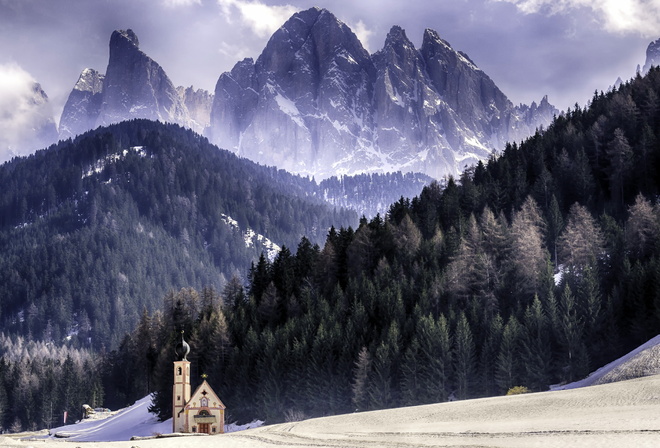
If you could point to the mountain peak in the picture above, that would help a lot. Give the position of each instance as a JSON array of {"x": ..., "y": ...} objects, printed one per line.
[
  {"x": 431, "y": 36},
  {"x": 396, "y": 34},
  {"x": 90, "y": 80},
  {"x": 128, "y": 35},
  {"x": 652, "y": 55}
]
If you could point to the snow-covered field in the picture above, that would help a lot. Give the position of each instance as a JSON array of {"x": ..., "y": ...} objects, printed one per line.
[{"x": 619, "y": 414}]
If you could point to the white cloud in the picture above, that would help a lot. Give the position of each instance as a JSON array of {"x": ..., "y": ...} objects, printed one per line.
[
  {"x": 262, "y": 19},
  {"x": 363, "y": 33},
  {"x": 22, "y": 112},
  {"x": 617, "y": 16}
]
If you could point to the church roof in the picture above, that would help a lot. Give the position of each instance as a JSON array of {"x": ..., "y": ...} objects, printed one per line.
[{"x": 204, "y": 390}]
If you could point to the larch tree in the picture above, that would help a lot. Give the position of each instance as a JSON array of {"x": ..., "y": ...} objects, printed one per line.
[
  {"x": 582, "y": 243},
  {"x": 528, "y": 255},
  {"x": 642, "y": 229},
  {"x": 360, "y": 379}
]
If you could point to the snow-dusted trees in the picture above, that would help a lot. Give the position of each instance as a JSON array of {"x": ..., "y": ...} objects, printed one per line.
[{"x": 38, "y": 382}]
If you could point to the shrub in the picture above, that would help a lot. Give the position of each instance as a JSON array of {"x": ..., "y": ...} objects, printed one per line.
[{"x": 517, "y": 390}]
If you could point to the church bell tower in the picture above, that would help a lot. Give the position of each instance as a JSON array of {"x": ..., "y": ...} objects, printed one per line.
[{"x": 181, "y": 388}]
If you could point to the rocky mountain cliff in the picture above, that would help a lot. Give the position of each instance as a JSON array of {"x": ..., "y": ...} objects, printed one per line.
[
  {"x": 83, "y": 105},
  {"x": 652, "y": 55},
  {"x": 315, "y": 102},
  {"x": 134, "y": 86}
]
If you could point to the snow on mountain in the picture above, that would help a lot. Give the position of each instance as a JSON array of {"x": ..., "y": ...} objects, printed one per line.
[
  {"x": 83, "y": 105},
  {"x": 316, "y": 103}
]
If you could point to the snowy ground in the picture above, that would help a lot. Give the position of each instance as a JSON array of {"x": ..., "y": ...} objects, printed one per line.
[{"x": 619, "y": 414}]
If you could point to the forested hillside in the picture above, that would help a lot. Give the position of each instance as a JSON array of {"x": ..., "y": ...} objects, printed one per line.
[
  {"x": 96, "y": 229},
  {"x": 532, "y": 269}
]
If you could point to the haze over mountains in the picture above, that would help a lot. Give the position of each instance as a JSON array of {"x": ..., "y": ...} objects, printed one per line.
[
  {"x": 26, "y": 116},
  {"x": 317, "y": 103},
  {"x": 341, "y": 110}
]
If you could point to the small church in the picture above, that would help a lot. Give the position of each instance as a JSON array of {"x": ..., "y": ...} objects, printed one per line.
[{"x": 201, "y": 412}]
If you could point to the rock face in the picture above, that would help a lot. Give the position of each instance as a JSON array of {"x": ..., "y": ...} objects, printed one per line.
[
  {"x": 198, "y": 103},
  {"x": 652, "y": 55},
  {"x": 316, "y": 103},
  {"x": 134, "y": 86},
  {"x": 83, "y": 105}
]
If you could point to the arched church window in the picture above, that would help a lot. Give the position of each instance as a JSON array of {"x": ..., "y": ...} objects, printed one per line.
[
  {"x": 179, "y": 371},
  {"x": 204, "y": 402}
]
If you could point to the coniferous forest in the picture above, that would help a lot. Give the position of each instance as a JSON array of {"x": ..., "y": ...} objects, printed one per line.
[{"x": 534, "y": 267}]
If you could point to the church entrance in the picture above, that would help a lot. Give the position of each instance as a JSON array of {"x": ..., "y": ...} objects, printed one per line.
[{"x": 204, "y": 420}]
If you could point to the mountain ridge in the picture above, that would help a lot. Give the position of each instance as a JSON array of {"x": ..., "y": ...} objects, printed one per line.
[
  {"x": 316, "y": 103},
  {"x": 366, "y": 116}
]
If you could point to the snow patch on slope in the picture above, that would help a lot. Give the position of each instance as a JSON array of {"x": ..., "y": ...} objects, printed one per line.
[
  {"x": 626, "y": 362},
  {"x": 100, "y": 164},
  {"x": 252, "y": 238},
  {"x": 289, "y": 108},
  {"x": 133, "y": 421}
]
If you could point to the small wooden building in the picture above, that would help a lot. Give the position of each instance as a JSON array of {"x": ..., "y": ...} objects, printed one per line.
[{"x": 201, "y": 412}]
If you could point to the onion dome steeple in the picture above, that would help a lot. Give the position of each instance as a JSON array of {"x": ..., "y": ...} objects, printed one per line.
[{"x": 182, "y": 349}]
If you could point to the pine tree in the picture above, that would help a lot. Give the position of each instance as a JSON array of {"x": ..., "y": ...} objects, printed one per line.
[
  {"x": 619, "y": 153},
  {"x": 464, "y": 358},
  {"x": 536, "y": 352},
  {"x": 433, "y": 349},
  {"x": 574, "y": 360},
  {"x": 507, "y": 372},
  {"x": 488, "y": 358},
  {"x": 582, "y": 243}
]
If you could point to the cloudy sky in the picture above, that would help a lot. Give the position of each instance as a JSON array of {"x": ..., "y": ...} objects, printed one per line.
[{"x": 563, "y": 48}]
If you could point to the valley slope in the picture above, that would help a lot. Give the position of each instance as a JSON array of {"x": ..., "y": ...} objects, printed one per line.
[{"x": 95, "y": 229}]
